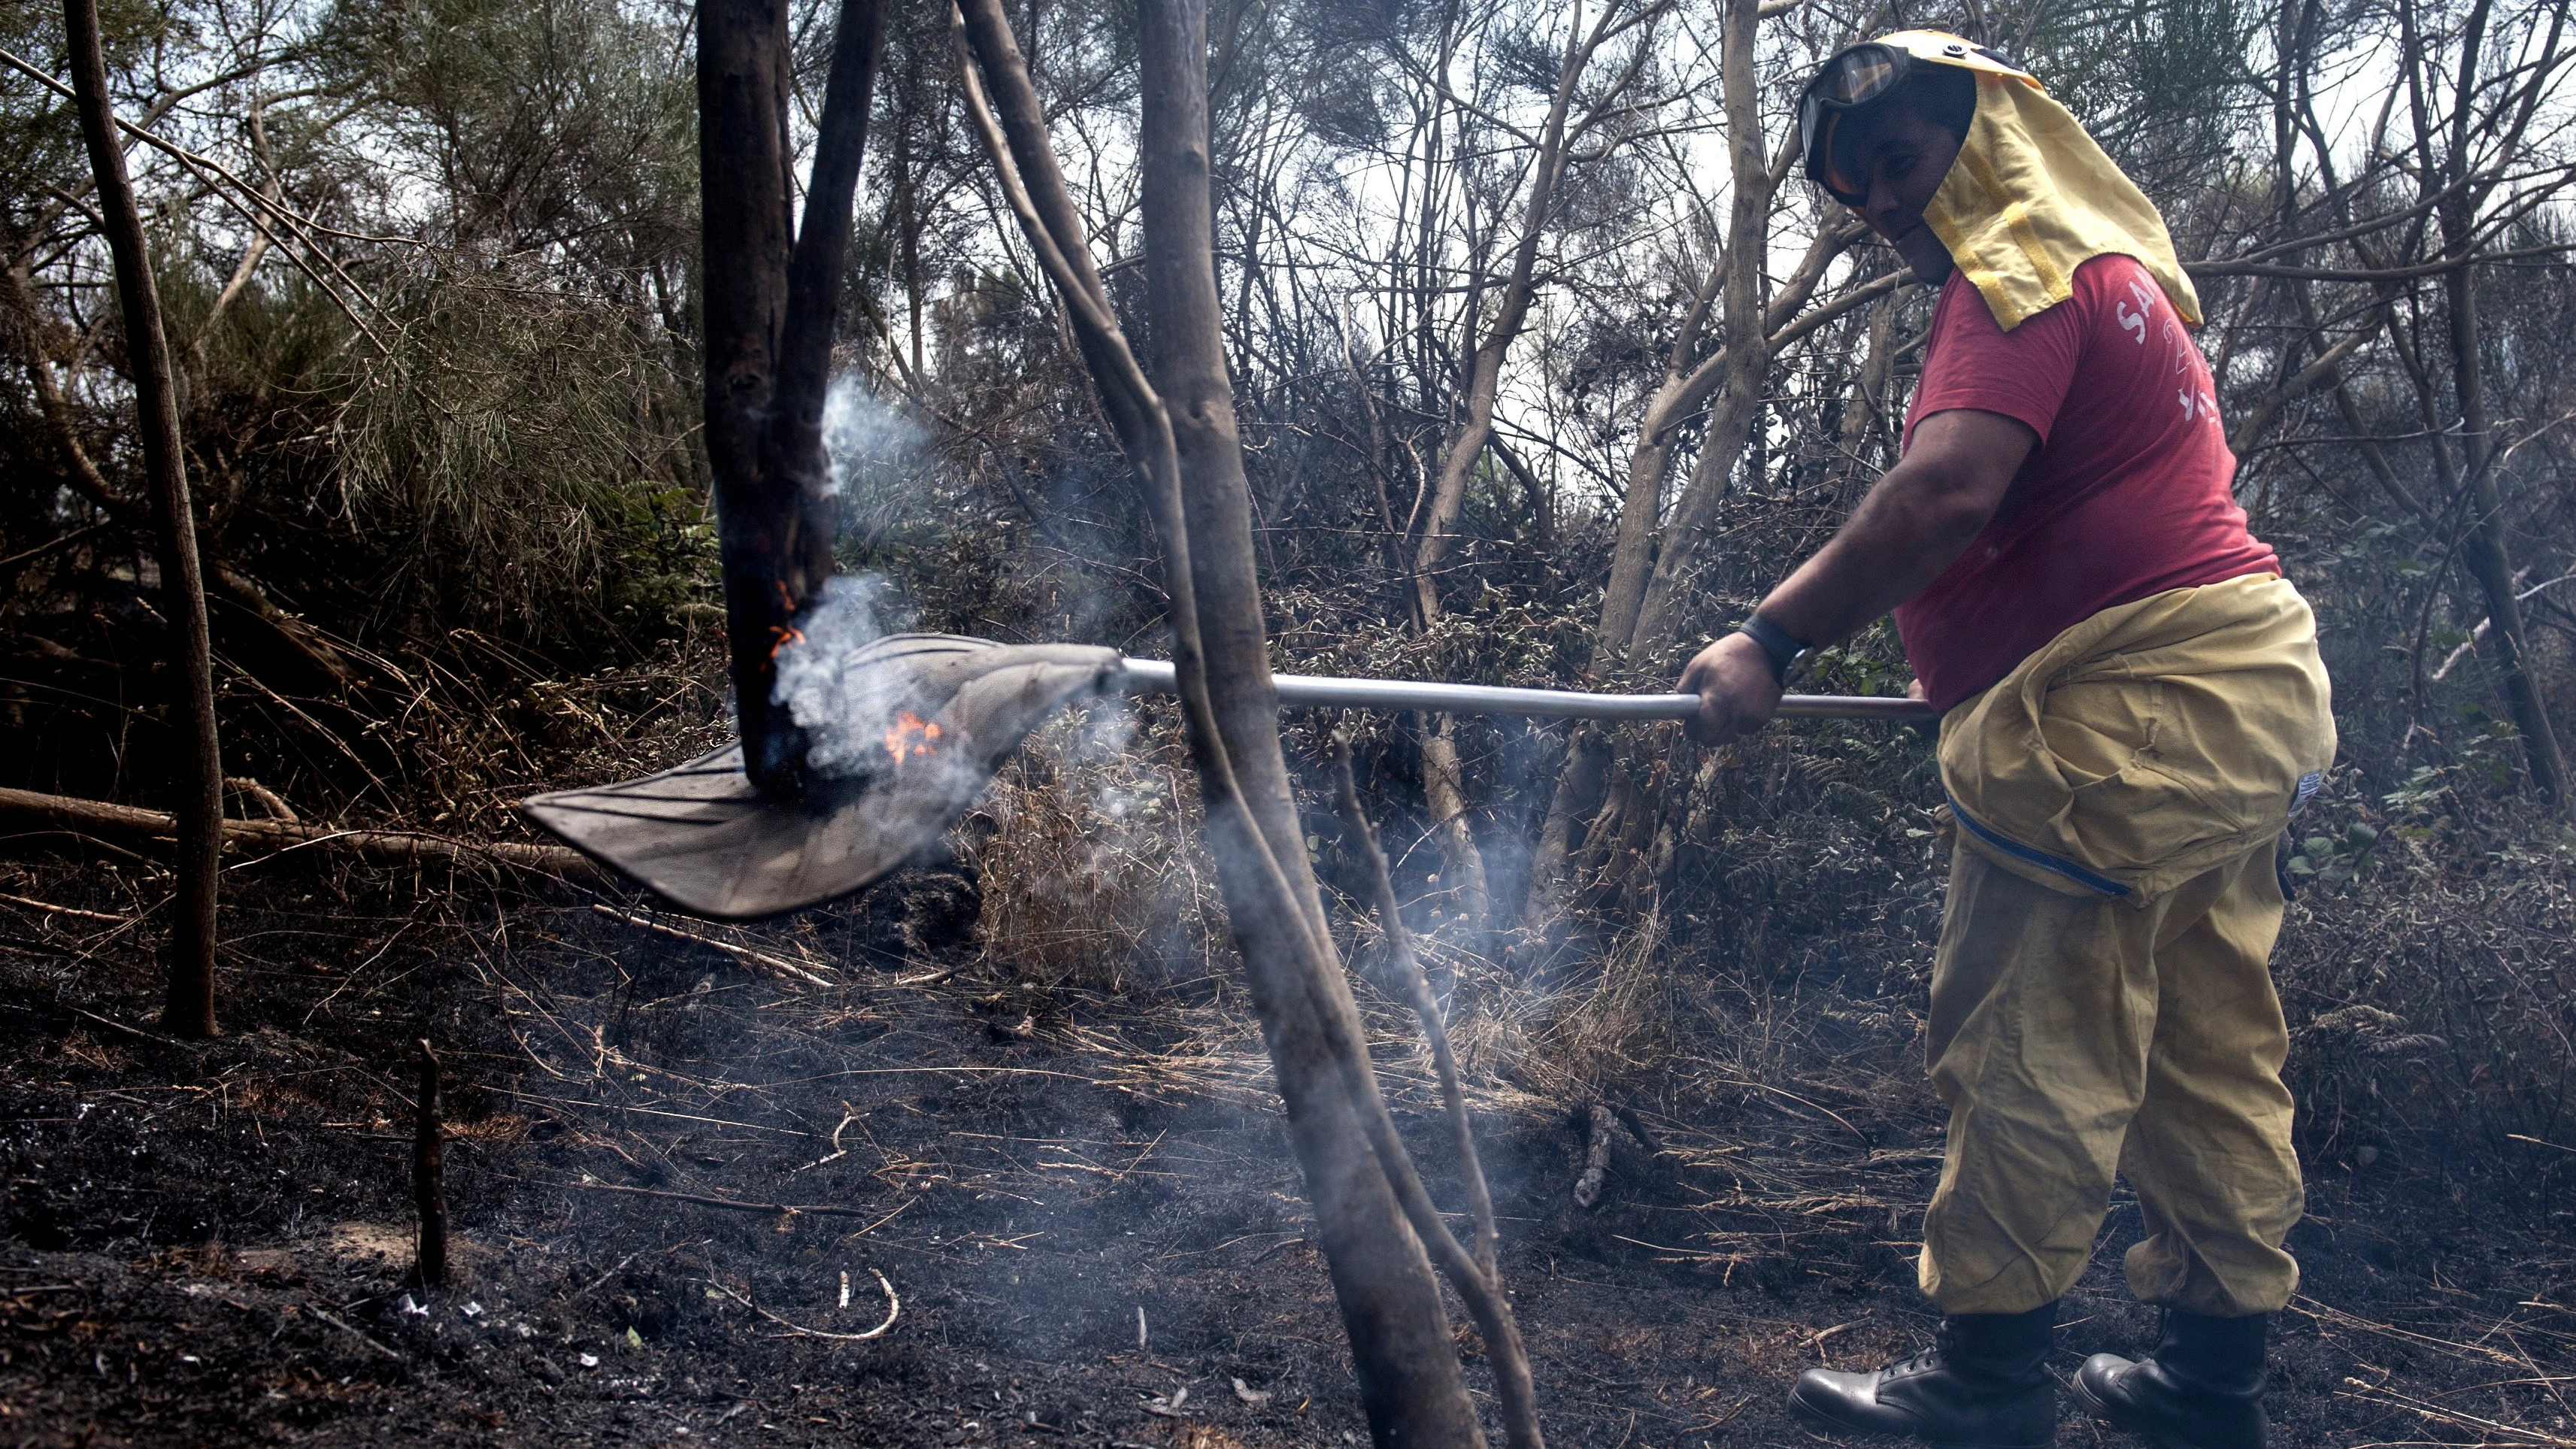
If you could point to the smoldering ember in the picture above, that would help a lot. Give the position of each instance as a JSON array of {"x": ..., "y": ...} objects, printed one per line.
[{"x": 1651, "y": 724}]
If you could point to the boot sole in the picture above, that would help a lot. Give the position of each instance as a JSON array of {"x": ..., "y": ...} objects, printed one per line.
[
  {"x": 2103, "y": 1411},
  {"x": 1817, "y": 1418}
]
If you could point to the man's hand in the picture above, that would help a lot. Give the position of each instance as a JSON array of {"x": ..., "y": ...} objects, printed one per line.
[{"x": 1732, "y": 678}]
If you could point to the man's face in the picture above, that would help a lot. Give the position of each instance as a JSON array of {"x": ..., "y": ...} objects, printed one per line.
[{"x": 1902, "y": 157}]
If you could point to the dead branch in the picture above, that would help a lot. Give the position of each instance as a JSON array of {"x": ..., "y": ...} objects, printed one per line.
[
  {"x": 772, "y": 1209},
  {"x": 894, "y": 1310},
  {"x": 76, "y": 913},
  {"x": 774, "y": 965},
  {"x": 268, "y": 800},
  {"x": 30, "y": 812},
  {"x": 263, "y": 214}
]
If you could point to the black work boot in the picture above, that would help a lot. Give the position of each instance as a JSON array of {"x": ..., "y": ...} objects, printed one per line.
[
  {"x": 2201, "y": 1389},
  {"x": 1980, "y": 1387}
]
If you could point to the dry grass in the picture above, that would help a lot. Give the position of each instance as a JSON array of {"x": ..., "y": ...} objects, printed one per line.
[{"x": 1087, "y": 850}]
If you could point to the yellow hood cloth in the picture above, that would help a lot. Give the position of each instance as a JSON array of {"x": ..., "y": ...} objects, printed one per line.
[
  {"x": 2031, "y": 196},
  {"x": 2148, "y": 744}
]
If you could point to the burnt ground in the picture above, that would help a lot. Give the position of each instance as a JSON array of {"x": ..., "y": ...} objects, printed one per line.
[{"x": 205, "y": 1244}]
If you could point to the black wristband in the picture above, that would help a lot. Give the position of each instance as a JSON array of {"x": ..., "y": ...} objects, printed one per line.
[{"x": 1778, "y": 644}]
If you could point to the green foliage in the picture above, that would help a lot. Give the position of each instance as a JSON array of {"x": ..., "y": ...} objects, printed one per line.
[
  {"x": 2335, "y": 859},
  {"x": 528, "y": 445},
  {"x": 568, "y": 125}
]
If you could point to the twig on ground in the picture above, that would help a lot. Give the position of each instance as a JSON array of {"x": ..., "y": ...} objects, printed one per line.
[
  {"x": 2435, "y": 1413},
  {"x": 602, "y": 1279},
  {"x": 894, "y": 1310},
  {"x": 780, "y": 1209},
  {"x": 838, "y": 1151},
  {"x": 743, "y": 954},
  {"x": 136, "y": 1032},
  {"x": 74, "y": 912},
  {"x": 2327, "y": 1313},
  {"x": 351, "y": 1329},
  {"x": 1794, "y": 1097},
  {"x": 1817, "y": 1339}
]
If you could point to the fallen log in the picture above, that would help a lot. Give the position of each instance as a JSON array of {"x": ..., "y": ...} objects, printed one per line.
[{"x": 27, "y": 811}]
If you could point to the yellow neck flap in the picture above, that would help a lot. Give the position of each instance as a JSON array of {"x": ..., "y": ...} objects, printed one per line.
[{"x": 2031, "y": 198}]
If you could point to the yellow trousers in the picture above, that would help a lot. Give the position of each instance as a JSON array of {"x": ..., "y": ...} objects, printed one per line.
[{"x": 2101, "y": 998}]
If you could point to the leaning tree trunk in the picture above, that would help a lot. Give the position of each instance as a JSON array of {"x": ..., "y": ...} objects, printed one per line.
[
  {"x": 1372, "y": 1213},
  {"x": 190, "y": 1008},
  {"x": 1409, "y": 1376}
]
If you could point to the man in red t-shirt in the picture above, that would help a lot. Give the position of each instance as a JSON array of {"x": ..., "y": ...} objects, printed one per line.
[{"x": 2132, "y": 710}]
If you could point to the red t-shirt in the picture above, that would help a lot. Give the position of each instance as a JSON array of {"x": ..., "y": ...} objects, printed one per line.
[{"x": 2129, "y": 493}]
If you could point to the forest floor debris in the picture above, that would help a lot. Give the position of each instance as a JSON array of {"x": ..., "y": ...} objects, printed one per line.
[{"x": 688, "y": 1200}]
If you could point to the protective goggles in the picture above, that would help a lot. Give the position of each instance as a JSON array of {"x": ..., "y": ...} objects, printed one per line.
[{"x": 1862, "y": 76}]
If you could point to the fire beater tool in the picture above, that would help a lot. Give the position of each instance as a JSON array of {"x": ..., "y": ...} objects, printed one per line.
[{"x": 925, "y": 720}]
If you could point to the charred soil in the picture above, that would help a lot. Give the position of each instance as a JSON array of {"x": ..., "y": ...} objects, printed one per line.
[{"x": 690, "y": 1187}]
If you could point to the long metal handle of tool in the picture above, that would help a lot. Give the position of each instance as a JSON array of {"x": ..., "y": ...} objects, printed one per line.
[{"x": 1155, "y": 676}]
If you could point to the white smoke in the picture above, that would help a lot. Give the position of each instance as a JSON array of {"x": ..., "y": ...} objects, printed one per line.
[
  {"x": 871, "y": 445},
  {"x": 844, "y": 711}
]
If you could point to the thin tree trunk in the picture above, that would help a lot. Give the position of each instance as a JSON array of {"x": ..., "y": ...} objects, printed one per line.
[
  {"x": 1444, "y": 795},
  {"x": 1748, "y": 343},
  {"x": 189, "y": 1010},
  {"x": 1410, "y": 1384},
  {"x": 2489, "y": 563},
  {"x": 907, "y": 206},
  {"x": 1634, "y": 555},
  {"x": 2508, "y": 649},
  {"x": 1443, "y": 773},
  {"x": 1409, "y": 1377}
]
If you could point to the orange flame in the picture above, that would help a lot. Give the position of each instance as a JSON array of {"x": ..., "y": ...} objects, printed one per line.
[
  {"x": 786, "y": 636},
  {"x": 911, "y": 735}
]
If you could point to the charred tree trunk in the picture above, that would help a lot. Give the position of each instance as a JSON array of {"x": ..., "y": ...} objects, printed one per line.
[
  {"x": 743, "y": 186},
  {"x": 189, "y": 1010},
  {"x": 429, "y": 1177},
  {"x": 772, "y": 297}
]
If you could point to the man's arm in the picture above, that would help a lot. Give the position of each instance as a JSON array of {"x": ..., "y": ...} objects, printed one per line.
[{"x": 1904, "y": 535}]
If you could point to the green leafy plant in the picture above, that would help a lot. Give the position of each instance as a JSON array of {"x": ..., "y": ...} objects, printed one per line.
[{"x": 2334, "y": 859}]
